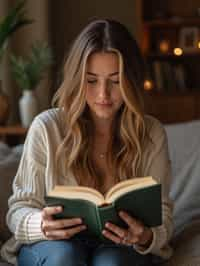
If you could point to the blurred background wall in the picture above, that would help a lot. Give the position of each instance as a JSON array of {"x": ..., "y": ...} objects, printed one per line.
[{"x": 58, "y": 22}]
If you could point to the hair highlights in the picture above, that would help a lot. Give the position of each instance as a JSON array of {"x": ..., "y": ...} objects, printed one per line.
[{"x": 129, "y": 129}]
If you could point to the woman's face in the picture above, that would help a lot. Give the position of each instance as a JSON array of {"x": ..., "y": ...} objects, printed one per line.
[{"x": 103, "y": 94}]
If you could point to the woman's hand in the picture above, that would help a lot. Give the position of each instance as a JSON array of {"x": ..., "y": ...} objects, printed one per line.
[
  {"x": 136, "y": 233},
  {"x": 60, "y": 228}
]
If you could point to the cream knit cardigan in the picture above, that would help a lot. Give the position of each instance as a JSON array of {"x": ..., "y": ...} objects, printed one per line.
[{"x": 36, "y": 175}]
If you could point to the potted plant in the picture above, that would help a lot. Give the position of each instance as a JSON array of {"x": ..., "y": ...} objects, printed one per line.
[
  {"x": 15, "y": 19},
  {"x": 28, "y": 72}
]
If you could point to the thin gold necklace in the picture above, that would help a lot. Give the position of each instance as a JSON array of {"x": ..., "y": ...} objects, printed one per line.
[{"x": 102, "y": 155}]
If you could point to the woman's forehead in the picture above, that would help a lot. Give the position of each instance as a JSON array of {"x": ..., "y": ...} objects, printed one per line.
[{"x": 103, "y": 63}]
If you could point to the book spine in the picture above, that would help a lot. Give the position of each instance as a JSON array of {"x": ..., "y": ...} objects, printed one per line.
[
  {"x": 106, "y": 214},
  {"x": 158, "y": 77},
  {"x": 180, "y": 77},
  {"x": 98, "y": 222}
]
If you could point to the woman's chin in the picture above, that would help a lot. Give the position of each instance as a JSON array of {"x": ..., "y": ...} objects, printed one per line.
[{"x": 104, "y": 115}]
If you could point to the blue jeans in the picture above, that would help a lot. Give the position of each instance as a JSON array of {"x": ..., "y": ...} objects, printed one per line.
[{"x": 80, "y": 252}]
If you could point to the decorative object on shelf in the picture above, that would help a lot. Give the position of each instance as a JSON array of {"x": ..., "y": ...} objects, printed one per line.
[
  {"x": 28, "y": 72},
  {"x": 189, "y": 38},
  {"x": 28, "y": 107}
]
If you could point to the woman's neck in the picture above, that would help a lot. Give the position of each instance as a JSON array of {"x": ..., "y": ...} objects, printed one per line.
[{"x": 102, "y": 128}]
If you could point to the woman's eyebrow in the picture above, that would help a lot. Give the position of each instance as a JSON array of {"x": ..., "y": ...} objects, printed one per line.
[{"x": 111, "y": 74}]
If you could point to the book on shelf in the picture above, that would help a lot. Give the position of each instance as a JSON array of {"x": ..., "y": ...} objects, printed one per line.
[
  {"x": 169, "y": 77},
  {"x": 180, "y": 77},
  {"x": 140, "y": 197},
  {"x": 158, "y": 75}
]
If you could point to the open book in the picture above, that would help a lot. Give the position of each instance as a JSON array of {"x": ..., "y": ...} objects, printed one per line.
[{"x": 140, "y": 197}]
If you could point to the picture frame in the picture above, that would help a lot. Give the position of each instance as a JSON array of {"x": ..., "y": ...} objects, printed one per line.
[{"x": 188, "y": 40}]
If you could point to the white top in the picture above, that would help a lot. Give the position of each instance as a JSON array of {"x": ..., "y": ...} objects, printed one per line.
[{"x": 36, "y": 175}]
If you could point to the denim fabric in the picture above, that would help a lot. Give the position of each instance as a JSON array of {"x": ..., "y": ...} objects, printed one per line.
[{"x": 80, "y": 252}]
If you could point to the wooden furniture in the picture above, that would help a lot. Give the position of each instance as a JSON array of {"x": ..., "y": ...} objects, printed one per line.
[
  {"x": 166, "y": 33},
  {"x": 12, "y": 134},
  {"x": 173, "y": 107}
]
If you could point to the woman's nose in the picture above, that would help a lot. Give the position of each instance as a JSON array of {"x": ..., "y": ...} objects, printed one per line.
[{"x": 103, "y": 90}]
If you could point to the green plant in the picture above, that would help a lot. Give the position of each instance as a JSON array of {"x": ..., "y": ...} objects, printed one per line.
[
  {"x": 29, "y": 71},
  {"x": 14, "y": 20}
]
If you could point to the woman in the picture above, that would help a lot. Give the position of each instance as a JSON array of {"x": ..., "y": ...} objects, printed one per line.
[{"x": 96, "y": 137}]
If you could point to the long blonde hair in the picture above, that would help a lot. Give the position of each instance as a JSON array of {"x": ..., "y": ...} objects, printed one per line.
[{"x": 125, "y": 149}]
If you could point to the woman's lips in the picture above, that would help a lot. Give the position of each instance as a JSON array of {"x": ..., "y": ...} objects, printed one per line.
[{"x": 104, "y": 104}]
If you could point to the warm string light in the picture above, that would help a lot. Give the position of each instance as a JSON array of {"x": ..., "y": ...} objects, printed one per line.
[
  {"x": 164, "y": 46},
  {"x": 178, "y": 51},
  {"x": 148, "y": 85}
]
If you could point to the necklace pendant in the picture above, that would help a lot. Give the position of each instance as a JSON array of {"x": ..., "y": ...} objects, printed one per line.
[{"x": 101, "y": 155}]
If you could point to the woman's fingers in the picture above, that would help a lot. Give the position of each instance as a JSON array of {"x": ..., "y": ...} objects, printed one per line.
[
  {"x": 60, "y": 223},
  {"x": 136, "y": 233},
  {"x": 55, "y": 229},
  {"x": 111, "y": 236},
  {"x": 135, "y": 226},
  {"x": 116, "y": 229},
  {"x": 48, "y": 212},
  {"x": 64, "y": 234},
  {"x": 131, "y": 221}
]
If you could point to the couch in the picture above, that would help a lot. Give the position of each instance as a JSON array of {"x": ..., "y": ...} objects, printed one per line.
[
  {"x": 184, "y": 149},
  {"x": 9, "y": 160}
]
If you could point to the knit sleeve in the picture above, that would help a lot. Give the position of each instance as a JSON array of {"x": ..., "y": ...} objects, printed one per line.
[
  {"x": 157, "y": 165},
  {"x": 27, "y": 200}
]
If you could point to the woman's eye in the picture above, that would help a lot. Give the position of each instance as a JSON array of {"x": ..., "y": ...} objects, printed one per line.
[
  {"x": 91, "y": 81},
  {"x": 115, "y": 81}
]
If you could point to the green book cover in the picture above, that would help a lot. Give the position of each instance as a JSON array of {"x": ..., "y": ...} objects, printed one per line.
[{"x": 143, "y": 203}]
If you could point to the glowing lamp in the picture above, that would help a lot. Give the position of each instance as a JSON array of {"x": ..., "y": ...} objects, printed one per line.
[
  {"x": 148, "y": 85},
  {"x": 178, "y": 51}
]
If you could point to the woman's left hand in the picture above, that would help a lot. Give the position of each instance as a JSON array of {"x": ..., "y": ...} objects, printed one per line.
[{"x": 136, "y": 233}]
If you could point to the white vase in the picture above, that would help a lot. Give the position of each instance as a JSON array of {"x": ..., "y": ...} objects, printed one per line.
[{"x": 28, "y": 107}]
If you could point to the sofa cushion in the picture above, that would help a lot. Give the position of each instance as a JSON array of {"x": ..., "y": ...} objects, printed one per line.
[
  {"x": 184, "y": 140},
  {"x": 184, "y": 150},
  {"x": 186, "y": 246},
  {"x": 9, "y": 161}
]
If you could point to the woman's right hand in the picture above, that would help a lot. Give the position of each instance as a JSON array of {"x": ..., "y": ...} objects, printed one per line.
[{"x": 57, "y": 229}]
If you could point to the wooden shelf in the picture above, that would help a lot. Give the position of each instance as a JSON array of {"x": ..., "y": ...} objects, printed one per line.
[
  {"x": 13, "y": 130},
  {"x": 173, "y": 107},
  {"x": 189, "y": 92},
  {"x": 172, "y": 56},
  {"x": 172, "y": 22},
  {"x": 168, "y": 71},
  {"x": 13, "y": 135}
]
